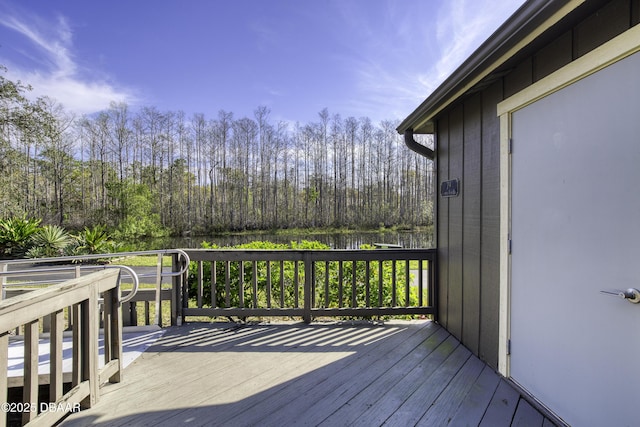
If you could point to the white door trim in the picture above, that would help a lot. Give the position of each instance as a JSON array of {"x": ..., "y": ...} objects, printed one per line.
[{"x": 620, "y": 47}]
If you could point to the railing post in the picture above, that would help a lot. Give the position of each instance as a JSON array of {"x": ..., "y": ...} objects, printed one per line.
[
  {"x": 433, "y": 283},
  {"x": 30, "y": 389},
  {"x": 3, "y": 279},
  {"x": 158, "y": 303},
  {"x": 93, "y": 318},
  {"x": 113, "y": 330},
  {"x": 4, "y": 383},
  {"x": 176, "y": 294},
  {"x": 56, "y": 382},
  {"x": 308, "y": 286},
  {"x": 76, "y": 322},
  {"x": 89, "y": 327}
]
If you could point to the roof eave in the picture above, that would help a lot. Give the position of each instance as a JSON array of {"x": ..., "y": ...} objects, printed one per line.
[{"x": 490, "y": 55}]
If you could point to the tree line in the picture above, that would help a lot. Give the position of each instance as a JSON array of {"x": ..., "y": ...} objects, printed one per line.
[{"x": 148, "y": 170}]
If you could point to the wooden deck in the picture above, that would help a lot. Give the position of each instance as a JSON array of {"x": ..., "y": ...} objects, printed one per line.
[{"x": 398, "y": 374}]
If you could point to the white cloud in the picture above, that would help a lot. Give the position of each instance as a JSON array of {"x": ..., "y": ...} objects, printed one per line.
[
  {"x": 428, "y": 46},
  {"x": 462, "y": 26},
  {"x": 57, "y": 74}
]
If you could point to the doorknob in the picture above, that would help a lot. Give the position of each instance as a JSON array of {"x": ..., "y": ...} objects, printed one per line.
[{"x": 632, "y": 295}]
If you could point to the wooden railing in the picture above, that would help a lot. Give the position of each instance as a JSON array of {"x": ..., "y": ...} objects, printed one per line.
[
  {"x": 143, "y": 302},
  {"x": 25, "y": 311},
  {"x": 18, "y": 276},
  {"x": 309, "y": 283}
]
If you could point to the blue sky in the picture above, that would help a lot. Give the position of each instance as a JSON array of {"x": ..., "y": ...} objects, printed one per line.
[{"x": 373, "y": 58}]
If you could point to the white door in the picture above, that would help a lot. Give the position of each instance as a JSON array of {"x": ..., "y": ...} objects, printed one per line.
[{"x": 575, "y": 229}]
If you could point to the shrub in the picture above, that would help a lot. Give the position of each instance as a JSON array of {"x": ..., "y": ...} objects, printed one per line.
[
  {"x": 234, "y": 276},
  {"x": 284, "y": 295},
  {"x": 49, "y": 241},
  {"x": 15, "y": 236},
  {"x": 90, "y": 241}
]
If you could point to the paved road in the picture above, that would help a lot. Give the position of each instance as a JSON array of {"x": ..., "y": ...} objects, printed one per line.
[{"x": 49, "y": 276}]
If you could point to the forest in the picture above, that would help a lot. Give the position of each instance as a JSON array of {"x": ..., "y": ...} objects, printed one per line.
[{"x": 147, "y": 171}]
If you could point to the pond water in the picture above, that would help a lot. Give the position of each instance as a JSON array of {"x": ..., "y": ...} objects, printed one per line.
[{"x": 409, "y": 239}]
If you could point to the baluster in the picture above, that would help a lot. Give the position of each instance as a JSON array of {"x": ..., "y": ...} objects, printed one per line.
[
  {"x": 214, "y": 285},
  {"x": 380, "y": 282},
  {"x": 268, "y": 284},
  {"x": 407, "y": 283},
  {"x": 241, "y": 285},
  {"x": 281, "y": 284},
  {"x": 354, "y": 291},
  {"x": 420, "y": 284},
  {"x": 200, "y": 292},
  {"x": 76, "y": 369},
  {"x": 393, "y": 283},
  {"x": 296, "y": 284},
  {"x": 227, "y": 284},
  {"x": 367, "y": 284},
  {"x": 340, "y": 278},
  {"x": 30, "y": 390},
  {"x": 327, "y": 295},
  {"x": 255, "y": 283},
  {"x": 55, "y": 360}
]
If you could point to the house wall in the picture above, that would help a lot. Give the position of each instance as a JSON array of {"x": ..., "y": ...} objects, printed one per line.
[{"x": 467, "y": 144}]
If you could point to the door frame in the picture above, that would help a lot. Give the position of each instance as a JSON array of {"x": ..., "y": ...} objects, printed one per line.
[{"x": 616, "y": 49}]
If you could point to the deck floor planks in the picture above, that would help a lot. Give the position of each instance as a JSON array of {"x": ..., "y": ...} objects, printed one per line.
[
  {"x": 527, "y": 416},
  {"x": 386, "y": 401},
  {"x": 389, "y": 390},
  {"x": 475, "y": 403},
  {"x": 168, "y": 371},
  {"x": 502, "y": 406},
  {"x": 230, "y": 374},
  {"x": 421, "y": 400},
  {"x": 162, "y": 357},
  {"x": 320, "y": 398},
  {"x": 440, "y": 413},
  {"x": 297, "y": 374},
  {"x": 281, "y": 394}
]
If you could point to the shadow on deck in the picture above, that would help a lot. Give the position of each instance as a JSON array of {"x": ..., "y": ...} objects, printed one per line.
[{"x": 399, "y": 373}]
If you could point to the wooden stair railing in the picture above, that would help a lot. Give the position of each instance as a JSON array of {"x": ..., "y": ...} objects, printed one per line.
[{"x": 25, "y": 311}]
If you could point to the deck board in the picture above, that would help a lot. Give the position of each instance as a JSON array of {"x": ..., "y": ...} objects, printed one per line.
[
  {"x": 502, "y": 406},
  {"x": 527, "y": 416},
  {"x": 416, "y": 406},
  {"x": 440, "y": 413},
  {"x": 399, "y": 373},
  {"x": 373, "y": 404},
  {"x": 474, "y": 404}
]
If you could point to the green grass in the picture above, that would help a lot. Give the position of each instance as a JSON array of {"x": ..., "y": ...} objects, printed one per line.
[{"x": 144, "y": 261}]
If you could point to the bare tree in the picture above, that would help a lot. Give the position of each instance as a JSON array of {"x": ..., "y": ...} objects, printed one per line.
[
  {"x": 205, "y": 175},
  {"x": 58, "y": 157}
]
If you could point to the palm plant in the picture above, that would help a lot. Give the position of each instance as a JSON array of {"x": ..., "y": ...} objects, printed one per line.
[
  {"x": 93, "y": 240},
  {"x": 15, "y": 236},
  {"x": 49, "y": 241}
]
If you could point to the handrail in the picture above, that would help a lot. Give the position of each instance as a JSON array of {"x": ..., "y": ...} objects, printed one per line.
[
  {"x": 129, "y": 270},
  {"x": 102, "y": 256},
  {"x": 134, "y": 276}
]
